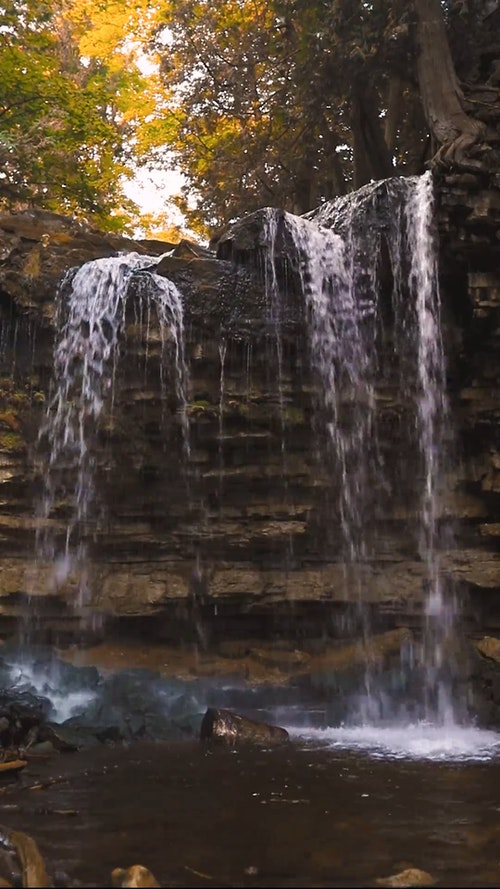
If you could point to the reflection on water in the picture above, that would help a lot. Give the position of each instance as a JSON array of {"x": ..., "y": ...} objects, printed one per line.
[{"x": 292, "y": 816}]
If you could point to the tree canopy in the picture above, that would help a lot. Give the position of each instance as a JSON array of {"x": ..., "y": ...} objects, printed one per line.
[
  {"x": 73, "y": 105},
  {"x": 291, "y": 102},
  {"x": 260, "y": 102}
]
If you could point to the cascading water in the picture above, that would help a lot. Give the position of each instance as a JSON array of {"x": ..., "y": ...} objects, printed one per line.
[
  {"x": 342, "y": 338},
  {"x": 338, "y": 254},
  {"x": 275, "y": 319},
  {"x": 342, "y": 331},
  {"x": 433, "y": 419},
  {"x": 90, "y": 321}
]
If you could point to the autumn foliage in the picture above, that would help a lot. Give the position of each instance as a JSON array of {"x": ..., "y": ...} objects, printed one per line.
[{"x": 284, "y": 102}]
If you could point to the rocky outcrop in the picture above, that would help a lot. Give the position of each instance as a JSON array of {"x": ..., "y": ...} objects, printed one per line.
[
  {"x": 469, "y": 230},
  {"x": 232, "y": 541}
]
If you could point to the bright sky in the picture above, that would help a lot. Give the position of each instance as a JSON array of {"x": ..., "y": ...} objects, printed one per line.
[{"x": 152, "y": 190}]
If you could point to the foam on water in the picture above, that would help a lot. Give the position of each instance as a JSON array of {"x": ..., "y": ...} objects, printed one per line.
[{"x": 415, "y": 741}]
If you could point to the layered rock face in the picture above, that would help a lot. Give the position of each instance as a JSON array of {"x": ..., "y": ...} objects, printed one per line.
[
  {"x": 469, "y": 227},
  {"x": 236, "y": 531}
]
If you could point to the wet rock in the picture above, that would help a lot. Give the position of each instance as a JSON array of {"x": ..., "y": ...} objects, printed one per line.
[
  {"x": 412, "y": 876},
  {"x": 83, "y": 732},
  {"x": 292, "y": 661},
  {"x": 41, "y": 246},
  {"x": 43, "y": 748},
  {"x": 21, "y": 715},
  {"x": 182, "y": 719},
  {"x": 132, "y": 877},
  {"x": 337, "y": 671},
  {"x": 483, "y": 676},
  {"x": 489, "y": 647},
  {"x": 233, "y": 728},
  {"x": 65, "y": 739},
  {"x": 136, "y": 703},
  {"x": 68, "y": 678},
  {"x": 130, "y": 705},
  {"x": 375, "y": 650},
  {"x": 34, "y": 872}
]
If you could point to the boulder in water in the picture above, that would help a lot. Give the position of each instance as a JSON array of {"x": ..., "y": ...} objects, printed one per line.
[{"x": 231, "y": 728}]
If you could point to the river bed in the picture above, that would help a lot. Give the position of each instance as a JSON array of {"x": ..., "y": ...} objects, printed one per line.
[{"x": 309, "y": 813}]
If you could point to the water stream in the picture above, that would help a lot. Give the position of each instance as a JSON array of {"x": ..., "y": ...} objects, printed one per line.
[{"x": 90, "y": 321}]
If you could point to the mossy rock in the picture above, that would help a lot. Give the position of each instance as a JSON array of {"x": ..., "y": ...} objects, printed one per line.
[
  {"x": 11, "y": 442},
  {"x": 202, "y": 408}
]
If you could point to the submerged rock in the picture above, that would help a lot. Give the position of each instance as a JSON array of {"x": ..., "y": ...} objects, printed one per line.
[{"x": 489, "y": 647}]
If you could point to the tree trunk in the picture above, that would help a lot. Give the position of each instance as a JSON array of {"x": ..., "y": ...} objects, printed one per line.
[
  {"x": 303, "y": 185},
  {"x": 372, "y": 159},
  {"x": 394, "y": 112},
  {"x": 361, "y": 161},
  {"x": 455, "y": 132},
  {"x": 339, "y": 186}
]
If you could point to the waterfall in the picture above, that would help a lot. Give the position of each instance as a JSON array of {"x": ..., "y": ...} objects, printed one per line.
[
  {"x": 341, "y": 339},
  {"x": 90, "y": 320},
  {"x": 338, "y": 253},
  {"x": 433, "y": 419},
  {"x": 274, "y": 296}
]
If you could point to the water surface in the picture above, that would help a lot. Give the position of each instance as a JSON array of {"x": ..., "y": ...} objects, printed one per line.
[{"x": 301, "y": 815}]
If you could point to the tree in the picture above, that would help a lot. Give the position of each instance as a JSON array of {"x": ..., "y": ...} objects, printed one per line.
[
  {"x": 290, "y": 102},
  {"x": 72, "y": 101},
  {"x": 239, "y": 135},
  {"x": 281, "y": 102},
  {"x": 454, "y": 131},
  {"x": 259, "y": 102}
]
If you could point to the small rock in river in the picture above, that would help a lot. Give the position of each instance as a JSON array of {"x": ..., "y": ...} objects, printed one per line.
[
  {"x": 410, "y": 877},
  {"x": 132, "y": 877}
]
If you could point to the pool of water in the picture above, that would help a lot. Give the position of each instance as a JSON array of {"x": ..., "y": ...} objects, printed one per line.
[{"x": 337, "y": 808}]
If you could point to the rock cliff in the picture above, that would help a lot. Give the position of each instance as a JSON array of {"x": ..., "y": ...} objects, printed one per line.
[{"x": 239, "y": 538}]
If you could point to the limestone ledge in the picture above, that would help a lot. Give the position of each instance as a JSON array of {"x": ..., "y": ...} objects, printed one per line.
[
  {"x": 143, "y": 588},
  {"x": 477, "y": 567}
]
